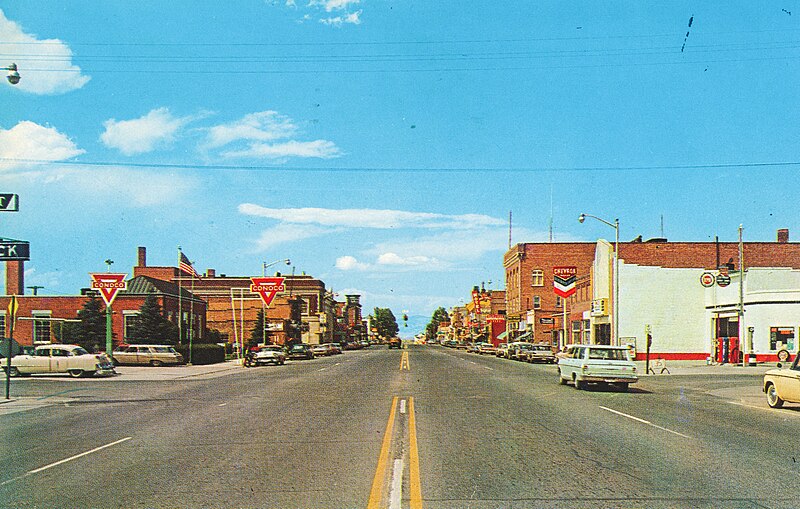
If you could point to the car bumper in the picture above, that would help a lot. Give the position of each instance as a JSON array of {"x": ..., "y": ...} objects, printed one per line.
[{"x": 610, "y": 379}]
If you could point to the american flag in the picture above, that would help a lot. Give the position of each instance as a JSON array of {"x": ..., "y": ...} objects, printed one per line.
[{"x": 186, "y": 266}]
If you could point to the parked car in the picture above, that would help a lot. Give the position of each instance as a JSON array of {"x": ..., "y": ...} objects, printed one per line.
[
  {"x": 783, "y": 384},
  {"x": 300, "y": 351},
  {"x": 605, "y": 364},
  {"x": 267, "y": 354},
  {"x": 486, "y": 348},
  {"x": 322, "y": 350},
  {"x": 56, "y": 358},
  {"x": 154, "y": 355},
  {"x": 336, "y": 348},
  {"x": 395, "y": 343},
  {"x": 473, "y": 347},
  {"x": 518, "y": 350},
  {"x": 541, "y": 352},
  {"x": 502, "y": 349}
]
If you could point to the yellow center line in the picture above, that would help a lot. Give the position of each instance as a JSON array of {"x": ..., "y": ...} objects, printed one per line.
[
  {"x": 404, "y": 362},
  {"x": 413, "y": 456},
  {"x": 375, "y": 493}
]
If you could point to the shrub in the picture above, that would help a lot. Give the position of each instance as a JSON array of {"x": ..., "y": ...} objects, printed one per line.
[{"x": 202, "y": 353}]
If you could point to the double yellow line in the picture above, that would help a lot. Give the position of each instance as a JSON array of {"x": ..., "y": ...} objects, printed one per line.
[{"x": 404, "y": 365}]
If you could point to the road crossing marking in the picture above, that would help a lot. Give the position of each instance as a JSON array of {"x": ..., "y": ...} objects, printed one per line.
[{"x": 637, "y": 419}]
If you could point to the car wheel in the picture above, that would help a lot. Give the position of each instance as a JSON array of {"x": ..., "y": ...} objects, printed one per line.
[
  {"x": 580, "y": 385},
  {"x": 12, "y": 372},
  {"x": 76, "y": 373},
  {"x": 561, "y": 379},
  {"x": 622, "y": 386},
  {"x": 773, "y": 400},
  {"x": 156, "y": 364}
]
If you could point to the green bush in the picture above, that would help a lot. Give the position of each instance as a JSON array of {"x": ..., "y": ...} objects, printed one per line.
[{"x": 202, "y": 353}]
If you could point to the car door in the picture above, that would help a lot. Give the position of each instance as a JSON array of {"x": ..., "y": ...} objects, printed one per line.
[
  {"x": 61, "y": 360},
  {"x": 788, "y": 383}
]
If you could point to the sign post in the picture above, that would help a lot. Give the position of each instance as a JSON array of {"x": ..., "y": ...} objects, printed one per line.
[
  {"x": 267, "y": 288},
  {"x": 10, "y": 347},
  {"x": 109, "y": 284}
]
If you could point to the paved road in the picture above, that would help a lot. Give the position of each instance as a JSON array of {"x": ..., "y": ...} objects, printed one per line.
[{"x": 424, "y": 427}]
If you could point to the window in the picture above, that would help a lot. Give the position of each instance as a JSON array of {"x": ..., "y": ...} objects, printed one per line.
[
  {"x": 558, "y": 301},
  {"x": 130, "y": 320},
  {"x": 537, "y": 302},
  {"x": 576, "y": 331},
  {"x": 537, "y": 277},
  {"x": 41, "y": 328},
  {"x": 587, "y": 332},
  {"x": 781, "y": 337},
  {"x": 3, "y": 323}
]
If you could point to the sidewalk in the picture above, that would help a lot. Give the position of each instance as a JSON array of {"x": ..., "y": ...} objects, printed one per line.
[{"x": 702, "y": 368}]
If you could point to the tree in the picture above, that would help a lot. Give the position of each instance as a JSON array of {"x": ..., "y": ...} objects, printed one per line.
[
  {"x": 151, "y": 326},
  {"x": 385, "y": 323},
  {"x": 89, "y": 331},
  {"x": 439, "y": 316}
]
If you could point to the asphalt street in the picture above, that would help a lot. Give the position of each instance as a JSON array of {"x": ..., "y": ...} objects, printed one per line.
[{"x": 422, "y": 427}]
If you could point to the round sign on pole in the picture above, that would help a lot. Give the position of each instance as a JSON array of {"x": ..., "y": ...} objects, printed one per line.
[
  {"x": 707, "y": 279},
  {"x": 723, "y": 280}
]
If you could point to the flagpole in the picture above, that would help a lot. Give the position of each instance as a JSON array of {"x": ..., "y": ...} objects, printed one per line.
[{"x": 191, "y": 318}]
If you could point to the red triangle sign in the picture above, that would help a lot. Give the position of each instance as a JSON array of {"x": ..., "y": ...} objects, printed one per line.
[
  {"x": 267, "y": 287},
  {"x": 108, "y": 284}
]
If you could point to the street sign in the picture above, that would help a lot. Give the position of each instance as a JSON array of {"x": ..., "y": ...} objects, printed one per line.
[
  {"x": 9, "y": 202},
  {"x": 9, "y": 343},
  {"x": 14, "y": 250},
  {"x": 707, "y": 279},
  {"x": 564, "y": 280},
  {"x": 547, "y": 321},
  {"x": 267, "y": 287},
  {"x": 108, "y": 284},
  {"x": 723, "y": 280},
  {"x": 13, "y": 306}
]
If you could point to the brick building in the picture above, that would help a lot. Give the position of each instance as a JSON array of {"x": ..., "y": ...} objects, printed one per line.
[
  {"x": 533, "y": 306},
  {"x": 233, "y": 309}
]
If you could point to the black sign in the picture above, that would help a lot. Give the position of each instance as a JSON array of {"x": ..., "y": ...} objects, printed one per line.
[
  {"x": 546, "y": 321},
  {"x": 9, "y": 202},
  {"x": 723, "y": 280},
  {"x": 14, "y": 250}
]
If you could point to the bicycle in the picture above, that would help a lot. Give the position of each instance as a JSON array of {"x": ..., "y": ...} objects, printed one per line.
[{"x": 659, "y": 365}]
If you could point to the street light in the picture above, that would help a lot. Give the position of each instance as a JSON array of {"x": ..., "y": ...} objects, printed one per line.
[
  {"x": 13, "y": 76},
  {"x": 615, "y": 225},
  {"x": 264, "y": 266}
]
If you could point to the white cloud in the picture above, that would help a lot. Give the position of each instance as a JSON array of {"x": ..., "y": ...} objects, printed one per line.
[
  {"x": 322, "y": 149},
  {"x": 283, "y": 233},
  {"x": 260, "y": 126},
  {"x": 410, "y": 261},
  {"x": 143, "y": 134},
  {"x": 28, "y": 140},
  {"x": 350, "y": 263},
  {"x": 130, "y": 187},
  {"x": 353, "y": 18},
  {"x": 370, "y": 218},
  {"x": 55, "y": 73},
  {"x": 333, "y": 5}
]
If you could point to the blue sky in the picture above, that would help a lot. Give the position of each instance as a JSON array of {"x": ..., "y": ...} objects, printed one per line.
[{"x": 381, "y": 144}]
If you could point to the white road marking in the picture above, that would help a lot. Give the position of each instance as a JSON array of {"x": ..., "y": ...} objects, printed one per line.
[
  {"x": 223, "y": 404},
  {"x": 490, "y": 369},
  {"x": 402, "y": 406},
  {"x": 637, "y": 419},
  {"x": 51, "y": 465},
  {"x": 396, "y": 493}
]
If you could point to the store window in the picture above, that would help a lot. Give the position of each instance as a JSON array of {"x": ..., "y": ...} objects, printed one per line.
[
  {"x": 576, "y": 331},
  {"x": 781, "y": 338},
  {"x": 587, "y": 332}
]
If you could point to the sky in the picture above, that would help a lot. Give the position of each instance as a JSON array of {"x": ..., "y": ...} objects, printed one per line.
[{"x": 381, "y": 145}]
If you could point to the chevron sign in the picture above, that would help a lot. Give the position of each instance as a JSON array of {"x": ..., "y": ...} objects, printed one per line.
[{"x": 564, "y": 280}]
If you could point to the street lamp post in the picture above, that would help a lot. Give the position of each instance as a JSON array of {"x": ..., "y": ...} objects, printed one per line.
[
  {"x": 264, "y": 266},
  {"x": 13, "y": 75},
  {"x": 615, "y": 225}
]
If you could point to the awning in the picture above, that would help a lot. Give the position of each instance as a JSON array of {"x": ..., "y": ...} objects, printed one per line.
[
  {"x": 524, "y": 337},
  {"x": 502, "y": 335}
]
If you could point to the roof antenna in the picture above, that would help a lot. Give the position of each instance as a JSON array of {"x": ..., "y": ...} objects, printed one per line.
[
  {"x": 662, "y": 226},
  {"x": 551, "y": 213},
  {"x": 509, "y": 229}
]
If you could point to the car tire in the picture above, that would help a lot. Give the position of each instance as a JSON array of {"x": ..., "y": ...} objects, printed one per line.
[
  {"x": 12, "y": 372},
  {"x": 773, "y": 400},
  {"x": 75, "y": 373},
  {"x": 579, "y": 384},
  {"x": 561, "y": 379},
  {"x": 622, "y": 386},
  {"x": 156, "y": 363}
]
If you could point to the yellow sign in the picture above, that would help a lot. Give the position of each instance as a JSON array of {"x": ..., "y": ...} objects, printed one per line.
[{"x": 13, "y": 306}]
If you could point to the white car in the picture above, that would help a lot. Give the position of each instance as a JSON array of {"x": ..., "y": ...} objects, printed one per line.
[
  {"x": 71, "y": 359},
  {"x": 582, "y": 364},
  {"x": 268, "y": 354},
  {"x": 783, "y": 384}
]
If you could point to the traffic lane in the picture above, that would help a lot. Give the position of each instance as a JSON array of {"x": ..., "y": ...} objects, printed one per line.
[
  {"x": 555, "y": 444},
  {"x": 296, "y": 441}
]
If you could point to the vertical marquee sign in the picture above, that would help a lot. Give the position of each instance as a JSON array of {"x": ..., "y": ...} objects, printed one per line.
[
  {"x": 564, "y": 286},
  {"x": 476, "y": 299},
  {"x": 108, "y": 284}
]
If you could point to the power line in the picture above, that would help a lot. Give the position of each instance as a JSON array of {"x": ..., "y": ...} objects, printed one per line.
[{"x": 532, "y": 169}]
